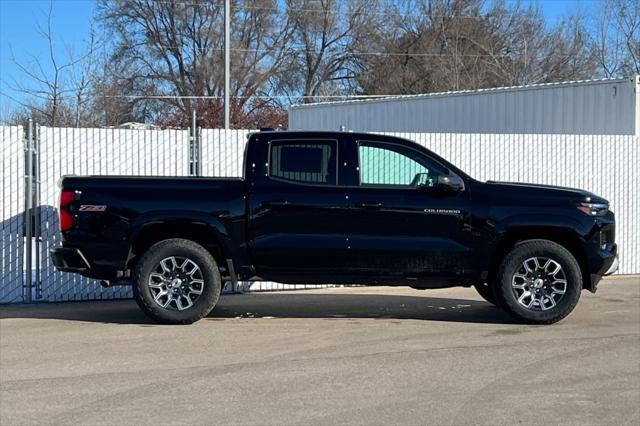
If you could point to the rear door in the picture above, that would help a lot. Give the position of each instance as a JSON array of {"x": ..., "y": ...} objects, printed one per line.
[{"x": 296, "y": 224}]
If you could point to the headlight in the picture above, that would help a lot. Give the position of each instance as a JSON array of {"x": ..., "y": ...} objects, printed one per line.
[{"x": 593, "y": 209}]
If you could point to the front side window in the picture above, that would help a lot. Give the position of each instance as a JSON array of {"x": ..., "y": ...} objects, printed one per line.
[
  {"x": 389, "y": 164},
  {"x": 310, "y": 162}
]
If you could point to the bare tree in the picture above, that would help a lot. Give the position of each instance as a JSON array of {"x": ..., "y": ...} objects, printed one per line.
[
  {"x": 174, "y": 49},
  {"x": 523, "y": 50},
  {"x": 55, "y": 88},
  {"x": 471, "y": 44},
  {"x": 82, "y": 78},
  {"x": 617, "y": 38},
  {"x": 116, "y": 96},
  {"x": 326, "y": 40},
  {"x": 45, "y": 86}
]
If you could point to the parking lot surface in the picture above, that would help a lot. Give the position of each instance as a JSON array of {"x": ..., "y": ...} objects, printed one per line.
[{"x": 365, "y": 355}]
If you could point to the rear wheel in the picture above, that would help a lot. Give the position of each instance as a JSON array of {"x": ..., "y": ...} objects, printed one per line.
[
  {"x": 539, "y": 282},
  {"x": 177, "y": 282}
]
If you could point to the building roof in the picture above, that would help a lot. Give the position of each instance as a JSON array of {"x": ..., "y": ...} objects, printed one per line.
[{"x": 465, "y": 92}]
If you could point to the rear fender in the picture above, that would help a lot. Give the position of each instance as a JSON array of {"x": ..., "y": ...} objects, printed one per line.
[{"x": 188, "y": 219}]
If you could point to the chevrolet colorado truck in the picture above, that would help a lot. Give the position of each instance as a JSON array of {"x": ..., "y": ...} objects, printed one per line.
[{"x": 342, "y": 208}]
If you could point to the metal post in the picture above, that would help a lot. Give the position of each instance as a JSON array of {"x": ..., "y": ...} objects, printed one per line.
[
  {"x": 28, "y": 210},
  {"x": 227, "y": 61},
  {"x": 199, "y": 148},
  {"x": 36, "y": 213},
  {"x": 195, "y": 151},
  {"x": 192, "y": 139}
]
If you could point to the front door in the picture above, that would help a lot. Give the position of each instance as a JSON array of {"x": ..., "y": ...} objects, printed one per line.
[
  {"x": 400, "y": 224},
  {"x": 296, "y": 223}
]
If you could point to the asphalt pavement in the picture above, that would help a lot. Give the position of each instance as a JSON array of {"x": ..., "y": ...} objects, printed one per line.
[{"x": 365, "y": 355}]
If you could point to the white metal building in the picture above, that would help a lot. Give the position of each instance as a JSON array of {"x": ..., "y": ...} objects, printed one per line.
[{"x": 607, "y": 107}]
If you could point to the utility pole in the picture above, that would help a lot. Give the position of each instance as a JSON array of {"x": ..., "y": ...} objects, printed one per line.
[{"x": 227, "y": 60}]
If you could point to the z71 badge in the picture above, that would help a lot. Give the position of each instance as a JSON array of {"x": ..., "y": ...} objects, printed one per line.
[{"x": 92, "y": 208}]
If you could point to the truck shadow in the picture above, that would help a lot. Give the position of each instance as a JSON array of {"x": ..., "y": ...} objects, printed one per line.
[
  {"x": 357, "y": 306},
  {"x": 310, "y": 305}
]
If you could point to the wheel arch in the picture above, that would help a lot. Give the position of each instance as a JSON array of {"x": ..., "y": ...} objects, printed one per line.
[
  {"x": 198, "y": 232},
  {"x": 566, "y": 237}
]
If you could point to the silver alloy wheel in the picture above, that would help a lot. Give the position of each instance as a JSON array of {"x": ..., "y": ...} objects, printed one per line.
[
  {"x": 176, "y": 283},
  {"x": 539, "y": 283}
]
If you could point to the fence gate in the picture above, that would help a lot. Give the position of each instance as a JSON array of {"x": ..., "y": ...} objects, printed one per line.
[{"x": 65, "y": 151}]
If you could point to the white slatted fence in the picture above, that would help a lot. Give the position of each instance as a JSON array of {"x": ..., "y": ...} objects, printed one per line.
[
  {"x": 605, "y": 165},
  {"x": 13, "y": 196}
]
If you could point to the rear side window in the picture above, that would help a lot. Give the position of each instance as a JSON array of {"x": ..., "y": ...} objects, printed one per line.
[{"x": 309, "y": 162}]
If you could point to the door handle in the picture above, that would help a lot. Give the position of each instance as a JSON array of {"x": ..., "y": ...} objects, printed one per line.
[{"x": 369, "y": 205}]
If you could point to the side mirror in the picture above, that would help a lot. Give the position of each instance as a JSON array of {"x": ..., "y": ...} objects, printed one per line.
[
  {"x": 421, "y": 180},
  {"x": 450, "y": 183}
]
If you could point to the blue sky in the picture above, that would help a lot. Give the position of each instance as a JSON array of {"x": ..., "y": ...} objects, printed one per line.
[
  {"x": 71, "y": 24},
  {"x": 554, "y": 9}
]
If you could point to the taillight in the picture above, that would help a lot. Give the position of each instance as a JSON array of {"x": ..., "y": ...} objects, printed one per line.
[{"x": 66, "y": 218}]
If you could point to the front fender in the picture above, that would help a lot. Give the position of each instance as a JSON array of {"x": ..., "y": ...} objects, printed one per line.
[
  {"x": 564, "y": 229},
  {"x": 547, "y": 221}
]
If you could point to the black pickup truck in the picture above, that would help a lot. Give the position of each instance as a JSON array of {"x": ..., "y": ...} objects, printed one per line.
[{"x": 336, "y": 207}]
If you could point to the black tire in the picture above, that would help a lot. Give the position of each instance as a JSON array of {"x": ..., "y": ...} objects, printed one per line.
[
  {"x": 485, "y": 290},
  {"x": 210, "y": 287},
  {"x": 512, "y": 264}
]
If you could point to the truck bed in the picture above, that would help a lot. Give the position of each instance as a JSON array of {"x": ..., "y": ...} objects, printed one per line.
[{"x": 112, "y": 211}]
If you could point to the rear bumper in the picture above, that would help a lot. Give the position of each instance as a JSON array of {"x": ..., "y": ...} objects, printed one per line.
[
  {"x": 68, "y": 259},
  {"x": 80, "y": 261}
]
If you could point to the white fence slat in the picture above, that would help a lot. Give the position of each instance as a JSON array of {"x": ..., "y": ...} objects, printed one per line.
[{"x": 11, "y": 228}]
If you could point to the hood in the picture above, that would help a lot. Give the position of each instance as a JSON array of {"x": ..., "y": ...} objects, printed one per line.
[{"x": 537, "y": 190}]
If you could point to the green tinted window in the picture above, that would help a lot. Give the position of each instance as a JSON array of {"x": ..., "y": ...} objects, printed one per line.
[{"x": 385, "y": 165}]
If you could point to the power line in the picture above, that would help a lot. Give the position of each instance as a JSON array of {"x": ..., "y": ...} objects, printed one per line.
[
  {"x": 375, "y": 53},
  {"x": 364, "y": 12},
  {"x": 301, "y": 49},
  {"x": 340, "y": 12}
]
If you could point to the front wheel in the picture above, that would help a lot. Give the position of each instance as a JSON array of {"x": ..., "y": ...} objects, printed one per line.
[
  {"x": 177, "y": 282},
  {"x": 538, "y": 282}
]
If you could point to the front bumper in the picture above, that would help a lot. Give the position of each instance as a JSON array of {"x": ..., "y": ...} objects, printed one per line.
[
  {"x": 607, "y": 263},
  {"x": 614, "y": 266},
  {"x": 68, "y": 259}
]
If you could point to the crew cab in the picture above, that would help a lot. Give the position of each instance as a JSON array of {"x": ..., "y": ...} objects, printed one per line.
[{"x": 336, "y": 207}]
